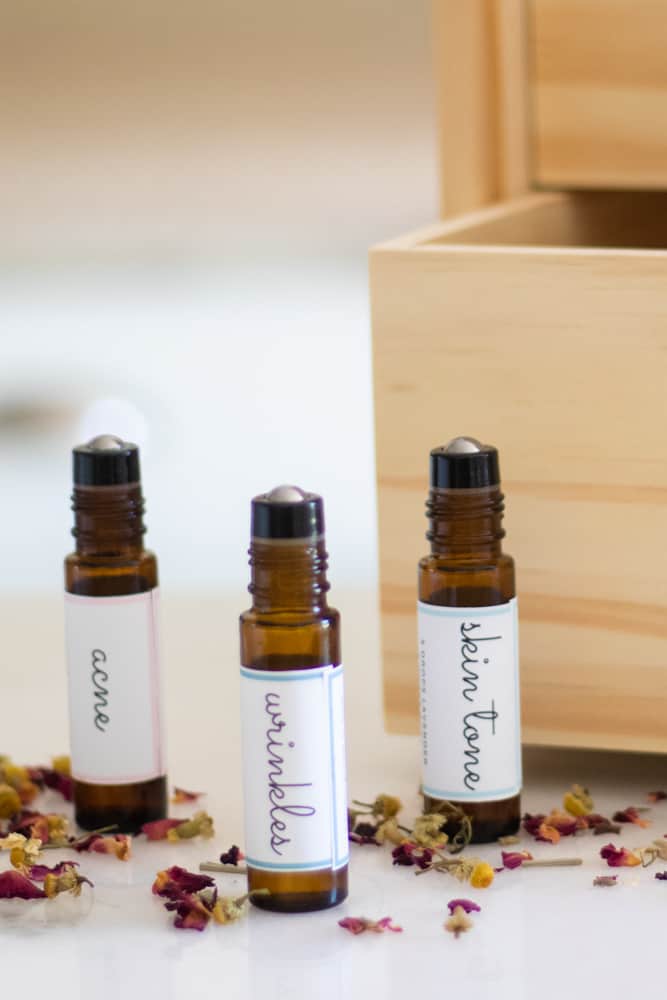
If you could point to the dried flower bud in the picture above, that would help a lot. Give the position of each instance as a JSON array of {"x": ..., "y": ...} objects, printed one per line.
[
  {"x": 10, "y": 802},
  {"x": 482, "y": 875},
  {"x": 428, "y": 830},
  {"x": 459, "y": 922}
]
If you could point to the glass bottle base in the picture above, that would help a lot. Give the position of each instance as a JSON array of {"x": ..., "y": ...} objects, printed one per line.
[
  {"x": 127, "y": 807},
  {"x": 489, "y": 820},
  {"x": 298, "y": 892}
]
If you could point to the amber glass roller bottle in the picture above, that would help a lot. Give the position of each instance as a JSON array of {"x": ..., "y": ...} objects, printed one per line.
[
  {"x": 468, "y": 645},
  {"x": 113, "y": 652},
  {"x": 292, "y": 711}
]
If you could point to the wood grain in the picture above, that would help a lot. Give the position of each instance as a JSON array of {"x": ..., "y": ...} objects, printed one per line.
[
  {"x": 598, "y": 84},
  {"x": 482, "y": 89},
  {"x": 540, "y": 326}
]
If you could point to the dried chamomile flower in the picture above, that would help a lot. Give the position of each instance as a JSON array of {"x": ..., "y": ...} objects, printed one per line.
[
  {"x": 578, "y": 802},
  {"x": 62, "y": 764},
  {"x": 227, "y": 909},
  {"x": 26, "y": 854},
  {"x": 658, "y": 849},
  {"x": 10, "y": 801},
  {"x": 605, "y": 880},
  {"x": 181, "y": 795},
  {"x": 428, "y": 830},
  {"x": 459, "y": 922},
  {"x": 509, "y": 841},
  {"x": 201, "y": 825},
  {"x": 19, "y": 779},
  {"x": 358, "y": 925},
  {"x": 390, "y": 831},
  {"x": 481, "y": 876},
  {"x": 68, "y": 880},
  {"x": 386, "y": 806},
  {"x": 619, "y": 857}
]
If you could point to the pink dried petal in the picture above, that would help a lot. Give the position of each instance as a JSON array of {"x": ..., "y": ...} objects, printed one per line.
[
  {"x": 159, "y": 828},
  {"x": 119, "y": 844},
  {"x": 14, "y": 885},
  {"x": 175, "y": 882},
  {"x": 514, "y": 859},
  {"x": 467, "y": 905},
  {"x": 357, "y": 925},
  {"x": 39, "y": 872},
  {"x": 619, "y": 857}
]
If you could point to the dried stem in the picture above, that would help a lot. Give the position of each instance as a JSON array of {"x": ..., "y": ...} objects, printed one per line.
[{"x": 215, "y": 866}]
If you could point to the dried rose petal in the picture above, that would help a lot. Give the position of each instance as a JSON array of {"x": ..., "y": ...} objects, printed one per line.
[
  {"x": 119, "y": 844},
  {"x": 232, "y": 856},
  {"x": 408, "y": 853},
  {"x": 174, "y": 882},
  {"x": 159, "y": 828},
  {"x": 183, "y": 795},
  {"x": 356, "y": 838},
  {"x": 605, "y": 880},
  {"x": 657, "y": 797},
  {"x": 662, "y": 876},
  {"x": 514, "y": 859},
  {"x": 357, "y": 925},
  {"x": 546, "y": 833},
  {"x": 630, "y": 815},
  {"x": 366, "y": 829},
  {"x": 191, "y": 912},
  {"x": 619, "y": 857},
  {"x": 531, "y": 824},
  {"x": 467, "y": 905},
  {"x": 50, "y": 777},
  {"x": 39, "y": 872},
  {"x": 15, "y": 885}
]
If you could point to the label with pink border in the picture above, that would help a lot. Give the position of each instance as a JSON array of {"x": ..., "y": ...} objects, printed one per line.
[{"x": 115, "y": 700}]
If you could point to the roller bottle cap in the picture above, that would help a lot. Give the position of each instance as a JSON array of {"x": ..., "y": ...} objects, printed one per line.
[
  {"x": 287, "y": 512},
  {"x": 464, "y": 464},
  {"x": 105, "y": 461}
]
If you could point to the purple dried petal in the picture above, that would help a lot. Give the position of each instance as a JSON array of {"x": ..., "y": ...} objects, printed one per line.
[{"x": 466, "y": 904}]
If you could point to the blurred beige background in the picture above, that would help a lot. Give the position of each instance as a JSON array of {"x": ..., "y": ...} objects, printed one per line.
[{"x": 188, "y": 192}]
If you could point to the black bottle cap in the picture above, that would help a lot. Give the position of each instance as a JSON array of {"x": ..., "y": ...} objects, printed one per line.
[
  {"x": 464, "y": 464},
  {"x": 287, "y": 512},
  {"x": 105, "y": 461}
]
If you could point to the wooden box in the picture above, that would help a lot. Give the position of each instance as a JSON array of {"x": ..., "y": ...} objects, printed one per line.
[{"x": 539, "y": 324}]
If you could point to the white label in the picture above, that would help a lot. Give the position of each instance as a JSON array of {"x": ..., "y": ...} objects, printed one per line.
[
  {"x": 294, "y": 777},
  {"x": 469, "y": 694},
  {"x": 114, "y": 688}
]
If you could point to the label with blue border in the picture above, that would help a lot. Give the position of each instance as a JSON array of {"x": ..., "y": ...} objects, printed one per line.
[
  {"x": 294, "y": 769},
  {"x": 469, "y": 701}
]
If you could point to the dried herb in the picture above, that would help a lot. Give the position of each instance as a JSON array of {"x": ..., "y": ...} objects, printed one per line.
[
  {"x": 359, "y": 925},
  {"x": 605, "y": 880}
]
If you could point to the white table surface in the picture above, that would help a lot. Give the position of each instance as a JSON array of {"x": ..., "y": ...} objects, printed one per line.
[{"x": 541, "y": 933}]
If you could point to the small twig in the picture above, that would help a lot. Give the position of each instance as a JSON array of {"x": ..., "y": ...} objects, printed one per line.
[
  {"x": 79, "y": 840},
  {"x": 552, "y": 863},
  {"x": 215, "y": 866}
]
